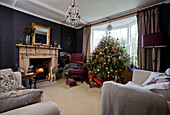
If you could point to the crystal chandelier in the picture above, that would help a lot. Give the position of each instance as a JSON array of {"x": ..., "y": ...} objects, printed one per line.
[{"x": 73, "y": 15}]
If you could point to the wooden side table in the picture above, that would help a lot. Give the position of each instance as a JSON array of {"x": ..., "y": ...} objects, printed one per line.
[{"x": 30, "y": 77}]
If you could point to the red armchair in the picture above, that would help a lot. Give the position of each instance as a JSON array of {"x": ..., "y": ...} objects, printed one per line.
[
  {"x": 73, "y": 58},
  {"x": 77, "y": 73}
]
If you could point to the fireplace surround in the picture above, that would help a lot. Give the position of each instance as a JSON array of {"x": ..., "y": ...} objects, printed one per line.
[{"x": 28, "y": 52}]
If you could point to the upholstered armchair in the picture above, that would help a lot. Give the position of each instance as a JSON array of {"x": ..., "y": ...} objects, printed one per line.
[
  {"x": 76, "y": 57},
  {"x": 75, "y": 68}
]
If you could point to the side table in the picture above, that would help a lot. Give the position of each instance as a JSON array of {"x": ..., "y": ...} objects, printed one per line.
[{"x": 30, "y": 77}]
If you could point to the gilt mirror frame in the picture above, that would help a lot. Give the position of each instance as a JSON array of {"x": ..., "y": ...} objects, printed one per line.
[{"x": 47, "y": 36}]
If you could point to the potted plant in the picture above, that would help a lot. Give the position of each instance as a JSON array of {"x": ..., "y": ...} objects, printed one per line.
[{"x": 20, "y": 41}]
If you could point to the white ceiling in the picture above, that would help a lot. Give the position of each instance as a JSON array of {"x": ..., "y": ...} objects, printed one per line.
[{"x": 91, "y": 11}]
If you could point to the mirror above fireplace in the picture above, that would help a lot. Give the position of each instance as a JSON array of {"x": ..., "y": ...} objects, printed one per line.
[{"x": 42, "y": 35}]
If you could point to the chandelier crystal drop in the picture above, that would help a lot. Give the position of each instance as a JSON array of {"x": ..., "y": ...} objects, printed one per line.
[{"x": 73, "y": 15}]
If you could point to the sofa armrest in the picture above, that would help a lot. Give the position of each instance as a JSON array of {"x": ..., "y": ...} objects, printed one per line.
[
  {"x": 18, "y": 77},
  {"x": 44, "y": 108},
  {"x": 122, "y": 99}
]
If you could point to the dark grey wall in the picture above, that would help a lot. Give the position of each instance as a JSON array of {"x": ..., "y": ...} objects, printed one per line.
[
  {"x": 66, "y": 33},
  {"x": 11, "y": 23},
  {"x": 6, "y": 37},
  {"x": 79, "y": 41},
  {"x": 165, "y": 27}
]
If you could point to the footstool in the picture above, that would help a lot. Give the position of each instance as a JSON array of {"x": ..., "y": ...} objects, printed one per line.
[{"x": 71, "y": 82}]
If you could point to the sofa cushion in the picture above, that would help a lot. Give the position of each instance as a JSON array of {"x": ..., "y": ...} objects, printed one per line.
[
  {"x": 156, "y": 78},
  {"x": 7, "y": 69},
  {"x": 8, "y": 82},
  {"x": 140, "y": 76},
  {"x": 14, "y": 99},
  {"x": 133, "y": 84},
  {"x": 152, "y": 75},
  {"x": 161, "y": 88}
]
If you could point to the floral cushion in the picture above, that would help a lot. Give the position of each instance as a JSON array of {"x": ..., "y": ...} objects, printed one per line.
[
  {"x": 156, "y": 78},
  {"x": 8, "y": 82}
]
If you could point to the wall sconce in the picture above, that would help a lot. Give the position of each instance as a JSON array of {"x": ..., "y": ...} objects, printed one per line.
[{"x": 69, "y": 42}]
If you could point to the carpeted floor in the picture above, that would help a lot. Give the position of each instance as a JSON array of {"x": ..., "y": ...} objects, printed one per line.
[{"x": 77, "y": 100}]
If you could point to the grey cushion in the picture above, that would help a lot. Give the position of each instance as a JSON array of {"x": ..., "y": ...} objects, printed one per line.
[{"x": 15, "y": 99}]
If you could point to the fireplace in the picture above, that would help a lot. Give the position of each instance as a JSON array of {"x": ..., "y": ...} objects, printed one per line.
[
  {"x": 41, "y": 63},
  {"x": 39, "y": 56}
]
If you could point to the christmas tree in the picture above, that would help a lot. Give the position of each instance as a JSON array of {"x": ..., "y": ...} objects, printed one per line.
[{"x": 108, "y": 60}]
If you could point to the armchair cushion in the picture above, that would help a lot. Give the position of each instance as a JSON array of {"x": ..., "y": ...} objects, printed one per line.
[
  {"x": 71, "y": 65},
  {"x": 76, "y": 72}
]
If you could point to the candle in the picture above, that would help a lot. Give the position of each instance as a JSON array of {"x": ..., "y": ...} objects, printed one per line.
[
  {"x": 69, "y": 10},
  {"x": 52, "y": 78},
  {"x": 77, "y": 11},
  {"x": 49, "y": 76},
  {"x": 51, "y": 71}
]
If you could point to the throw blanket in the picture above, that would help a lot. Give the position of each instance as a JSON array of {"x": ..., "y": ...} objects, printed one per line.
[{"x": 118, "y": 99}]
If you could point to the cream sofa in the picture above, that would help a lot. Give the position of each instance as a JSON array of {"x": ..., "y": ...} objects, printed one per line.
[
  {"x": 133, "y": 99},
  {"x": 19, "y": 102}
]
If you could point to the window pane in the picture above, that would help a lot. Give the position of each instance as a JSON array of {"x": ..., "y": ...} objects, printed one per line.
[
  {"x": 97, "y": 36},
  {"x": 133, "y": 29},
  {"x": 123, "y": 32}
]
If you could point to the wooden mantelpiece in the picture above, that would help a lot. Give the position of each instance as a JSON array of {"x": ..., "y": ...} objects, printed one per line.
[{"x": 36, "y": 52}]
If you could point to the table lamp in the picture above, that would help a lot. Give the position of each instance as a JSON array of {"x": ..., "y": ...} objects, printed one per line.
[{"x": 154, "y": 40}]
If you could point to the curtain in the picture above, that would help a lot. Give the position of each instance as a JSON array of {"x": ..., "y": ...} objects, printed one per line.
[
  {"x": 86, "y": 41},
  {"x": 148, "y": 22}
]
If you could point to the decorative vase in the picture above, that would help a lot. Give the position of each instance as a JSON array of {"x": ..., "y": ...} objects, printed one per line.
[
  {"x": 55, "y": 44},
  {"x": 27, "y": 40}
]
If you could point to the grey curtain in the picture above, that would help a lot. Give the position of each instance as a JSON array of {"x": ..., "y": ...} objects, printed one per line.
[
  {"x": 86, "y": 41},
  {"x": 148, "y": 22}
]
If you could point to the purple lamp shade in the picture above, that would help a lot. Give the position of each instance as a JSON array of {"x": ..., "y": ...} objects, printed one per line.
[{"x": 151, "y": 40}]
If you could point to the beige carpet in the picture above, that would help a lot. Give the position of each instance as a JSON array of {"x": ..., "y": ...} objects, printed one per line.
[{"x": 77, "y": 100}]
